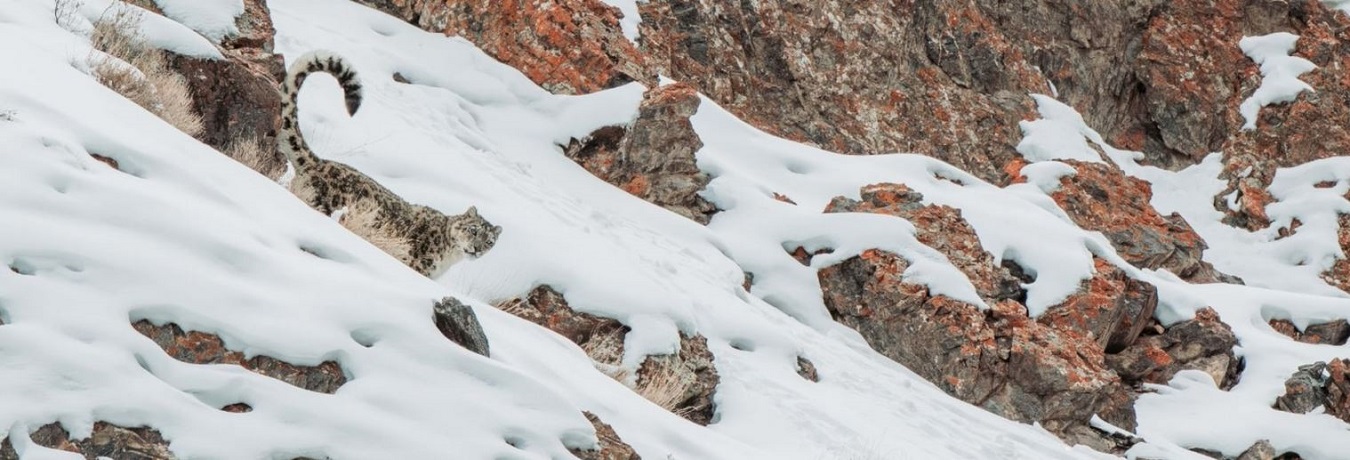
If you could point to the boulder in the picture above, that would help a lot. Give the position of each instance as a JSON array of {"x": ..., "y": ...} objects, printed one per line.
[
  {"x": 941, "y": 228},
  {"x": 1204, "y": 343},
  {"x": 204, "y": 348},
  {"x": 1101, "y": 198},
  {"x": 1329, "y": 333},
  {"x": 1320, "y": 384},
  {"x": 458, "y": 323},
  {"x": 999, "y": 359},
  {"x": 653, "y": 159}
]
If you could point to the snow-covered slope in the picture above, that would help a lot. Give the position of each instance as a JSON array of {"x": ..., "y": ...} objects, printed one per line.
[{"x": 183, "y": 234}]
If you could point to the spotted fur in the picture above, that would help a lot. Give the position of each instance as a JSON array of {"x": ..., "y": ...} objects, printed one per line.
[{"x": 421, "y": 237}]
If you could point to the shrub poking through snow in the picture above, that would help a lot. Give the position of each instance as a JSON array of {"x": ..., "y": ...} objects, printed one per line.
[
  {"x": 128, "y": 65},
  {"x": 106, "y": 441}
]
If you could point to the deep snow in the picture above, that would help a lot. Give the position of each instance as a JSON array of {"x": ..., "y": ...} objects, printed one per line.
[{"x": 184, "y": 234}]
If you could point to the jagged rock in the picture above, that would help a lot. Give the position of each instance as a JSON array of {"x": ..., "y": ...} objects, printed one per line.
[
  {"x": 1000, "y": 359},
  {"x": 237, "y": 97},
  {"x": 1315, "y": 126},
  {"x": 1203, "y": 343},
  {"x": 1320, "y": 384},
  {"x": 1329, "y": 333},
  {"x": 852, "y": 76},
  {"x": 610, "y": 446},
  {"x": 807, "y": 369},
  {"x": 1339, "y": 273},
  {"x": 203, "y": 348},
  {"x": 683, "y": 382},
  {"x": 548, "y": 308},
  {"x": 107, "y": 441},
  {"x": 458, "y": 323},
  {"x": 566, "y": 46},
  {"x": 941, "y": 228},
  {"x": 654, "y": 158},
  {"x": 1305, "y": 390},
  {"x": 1101, "y": 198},
  {"x": 1111, "y": 306}
]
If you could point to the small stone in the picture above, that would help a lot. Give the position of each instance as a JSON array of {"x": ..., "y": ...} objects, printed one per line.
[
  {"x": 458, "y": 323},
  {"x": 807, "y": 369}
]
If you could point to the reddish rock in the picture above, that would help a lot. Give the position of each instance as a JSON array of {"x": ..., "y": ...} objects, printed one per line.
[
  {"x": 682, "y": 382},
  {"x": 1101, "y": 198},
  {"x": 1315, "y": 126},
  {"x": 1000, "y": 360},
  {"x": 803, "y": 257},
  {"x": 1203, "y": 343},
  {"x": 107, "y": 441},
  {"x": 203, "y": 348},
  {"x": 854, "y": 76},
  {"x": 566, "y": 46},
  {"x": 548, "y": 308},
  {"x": 1110, "y": 307},
  {"x": 1329, "y": 333},
  {"x": 941, "y": 228},
  {"x": 611, "y": 447},
  {"x": 1339, "y": 273},
  {"x": 654, "y": 158},
  {"x": 1321, "y": 384}
]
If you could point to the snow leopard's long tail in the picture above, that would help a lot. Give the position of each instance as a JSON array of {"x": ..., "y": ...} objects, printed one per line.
[{"x": 290, "y": 141}]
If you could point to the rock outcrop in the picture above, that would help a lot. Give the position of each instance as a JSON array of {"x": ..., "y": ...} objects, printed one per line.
[
  {"x": 107, "y": 441},
  {"x": 237, "y": 97},
  {"x": 1000, "y": 359},
  {"x": 1328, "y": 333},
  {"x": 1100, "y": 198},
  {"x": 1314, "y": 126},
  {"x": 654, "y": 158},
  {"x": 203, "y": 348},
  {"x": 1319, "y": 384},
  {"x": 1110, "y": 307},
  {"x": 941, "y": 228},
  {"x": 566, "y": 46},
  {"x": 1203, "y": 343},
  {"x": 1339, "y": 273},
  {"x": 682, "y": 382},
  {"x": 611, "y": 447}
]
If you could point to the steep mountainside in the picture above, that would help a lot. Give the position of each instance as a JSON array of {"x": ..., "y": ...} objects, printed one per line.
[{"x": 773, "y": 229}]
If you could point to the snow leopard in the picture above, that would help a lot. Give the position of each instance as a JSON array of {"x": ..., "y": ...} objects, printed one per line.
[{"x": 422, "y": 238}]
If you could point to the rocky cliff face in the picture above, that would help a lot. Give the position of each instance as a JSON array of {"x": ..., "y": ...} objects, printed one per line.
[{"x": 945, "y": 78}]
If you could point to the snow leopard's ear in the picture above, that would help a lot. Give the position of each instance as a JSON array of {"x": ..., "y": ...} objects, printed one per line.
[{"x": 472, "y": 212}]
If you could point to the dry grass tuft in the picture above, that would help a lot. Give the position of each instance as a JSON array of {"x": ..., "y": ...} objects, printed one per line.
[
  {"x": 139, "y": 71},
  {"x": 249, "y": 151},
  {"x": 666, "y": 389},
  {"x": 606, "y": 353}
]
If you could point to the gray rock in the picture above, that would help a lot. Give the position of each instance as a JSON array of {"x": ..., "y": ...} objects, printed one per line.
[{"x": 459, "y": 324}]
